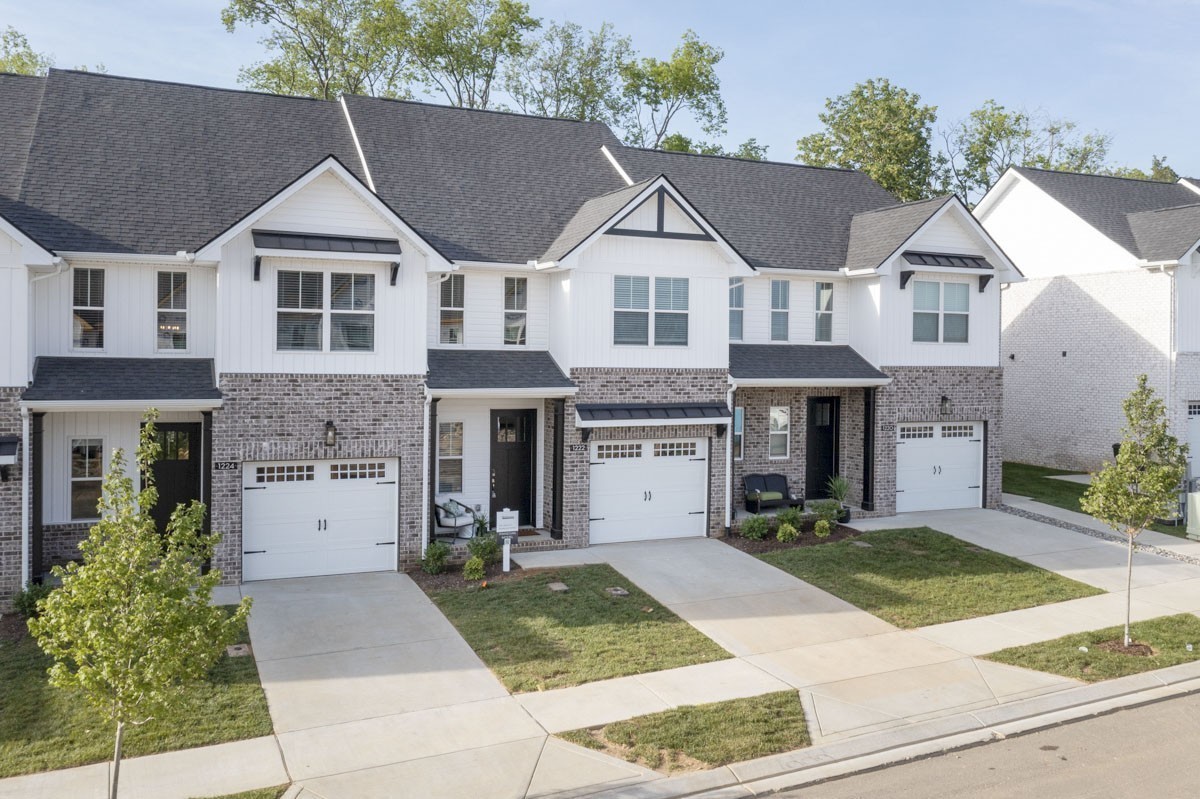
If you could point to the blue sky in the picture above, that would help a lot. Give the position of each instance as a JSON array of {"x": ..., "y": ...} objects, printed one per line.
[{"x": 1124, "y": 68}]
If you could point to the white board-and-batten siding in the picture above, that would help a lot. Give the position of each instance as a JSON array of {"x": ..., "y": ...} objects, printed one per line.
[
  {"x": 327, "y": 206},
  {"x": 896, "y": 346},
  {"x": 483, "y": 317},
  {"x": 14, "y": 315},
  {"x": 802, "y": 302}
]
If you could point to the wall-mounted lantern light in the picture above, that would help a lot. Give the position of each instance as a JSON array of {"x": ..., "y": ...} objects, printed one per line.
[
  {"x": 330, "y": 435},
  {"x": 8, "y": 455}
]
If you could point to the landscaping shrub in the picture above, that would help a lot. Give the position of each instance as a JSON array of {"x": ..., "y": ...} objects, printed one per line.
[
  {"x": 473, "y": 569},
  {"x": 787, "y": 533},
  {"x": 827, "y": 510},
  {"x": 436, "y": 555},
  {"x": 821, "y": 529},
  {"x": 791, "y": 516},
  {"x": 756, "y": 528},
  {"x": 26, "y": 602},
  {"x": 486, "y": 547}
]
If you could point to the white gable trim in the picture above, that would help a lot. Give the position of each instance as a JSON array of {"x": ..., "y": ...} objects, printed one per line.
[
  {"x": 32, "y": 253},
  {"x": 436, "y": 261},
  {"x": 955, "y": 206},
  {"x": 732, "y": 256}
]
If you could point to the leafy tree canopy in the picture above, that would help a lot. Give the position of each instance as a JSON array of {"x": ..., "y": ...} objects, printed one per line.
[
  {"x": 1159, "y": 171},
  {"x": 659, "y": 91},
  {"x": 17, "y": 57},
  {"x": 750, "y": 149}
]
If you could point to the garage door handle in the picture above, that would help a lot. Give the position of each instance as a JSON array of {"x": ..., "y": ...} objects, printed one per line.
[
  {"x": 696, "y": 513},
  {"x": 697, "y": 459},
  {"x": 596, "y": 519},
  {"x": 254, "y": 552},
  {"x": 386, "y": 483},
  {"x": 385, "y": 543},
  {"x": 254, "y": 488},
  {"x": 974, "y": 486}
]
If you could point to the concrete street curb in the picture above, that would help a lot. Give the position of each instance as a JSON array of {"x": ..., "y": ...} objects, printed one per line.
[{"x": 819, "y": 763}]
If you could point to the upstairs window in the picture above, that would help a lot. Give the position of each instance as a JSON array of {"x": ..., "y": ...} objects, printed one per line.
[
  {"x": 302, "y": 311},
  {"x": 172, "y": 311},
  {"x": 780, "y": 303},
  {"x": 516, "y": 310},
  {"x": 823, "y": 324},
  {"x": 452, "y": 305},
  {"x": 299, "y": 321},
  {"x": 737, "y": 304},
  {"x": 631, "y": 310},
  {"x": 87, "y": 326},
  {"x": 671, "y": 311},
  {"x": 941, "y": 311},
  {"x": 352, "y": 317}
]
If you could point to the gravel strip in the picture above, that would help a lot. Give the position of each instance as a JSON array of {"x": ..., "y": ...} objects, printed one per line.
[{"x": 1113, "y": 537}]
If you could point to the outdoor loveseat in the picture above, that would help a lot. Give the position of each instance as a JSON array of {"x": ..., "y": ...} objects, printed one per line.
[{"x": 769, "y": 491}]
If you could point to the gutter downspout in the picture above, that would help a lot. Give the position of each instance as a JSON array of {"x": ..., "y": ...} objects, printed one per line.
[
  {"x": 25, "y": 476},
  {"x": 729, "y": 456},
  {"x": 425, "y": 433}
]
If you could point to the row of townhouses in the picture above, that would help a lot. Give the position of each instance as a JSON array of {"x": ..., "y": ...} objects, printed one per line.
[{"x": 349, "y": 313}]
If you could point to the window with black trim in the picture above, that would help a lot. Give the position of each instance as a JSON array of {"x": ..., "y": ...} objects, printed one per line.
[
  {"x": 453, "y": 299},
  {"x": 516, "y": 310},
  {"x": 87, "y": 304},
  {"x": 172, "y": 311}
]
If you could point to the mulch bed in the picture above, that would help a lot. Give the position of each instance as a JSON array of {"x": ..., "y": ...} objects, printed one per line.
[
  {"x": 1135, "y": 649},
  {"x": 772, "y": 544},
  {"x": 452, "y": 578},
  {"x": 12, "y": 627}
]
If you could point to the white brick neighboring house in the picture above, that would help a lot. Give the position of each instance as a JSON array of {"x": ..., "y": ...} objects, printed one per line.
[
  {"x": 352, "y": 314},
  {"x": 1113, "y": 281}
]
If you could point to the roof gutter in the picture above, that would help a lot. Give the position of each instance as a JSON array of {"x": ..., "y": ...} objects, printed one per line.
[
  {"x": 1158, "y": 266},
  {"x": 136, "y": 258},
  {"x": 137, "y": 405}
]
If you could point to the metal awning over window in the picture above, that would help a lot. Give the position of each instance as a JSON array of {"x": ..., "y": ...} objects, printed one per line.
[
  {"x": 945, "y": 259},
  {"x": 623, "y": 414},
  {"x": 308, "y": 242}
]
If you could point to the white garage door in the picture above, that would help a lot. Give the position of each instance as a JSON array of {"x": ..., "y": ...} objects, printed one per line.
[
  {"x": 305, "y": 518},
  {"x": 642, "y": 490},
  {"x": 939, "y": 465}
]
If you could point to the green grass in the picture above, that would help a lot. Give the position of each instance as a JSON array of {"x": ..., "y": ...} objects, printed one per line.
[
  {"x": 261, "y": 793},
  {"x": 44, "y": 728},
  {"x": 534, "y": 639},
  {"x": 704, "y": 736},
  {"x": 1034, "y": 482},
  {"x": 1167, "y": 636},
  {"x": 914, "y": 577}
]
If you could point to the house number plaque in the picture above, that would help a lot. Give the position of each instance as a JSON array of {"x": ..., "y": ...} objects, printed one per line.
[
  {"x": 225, "y": 466},
  {"x": 579, "y": 447}
]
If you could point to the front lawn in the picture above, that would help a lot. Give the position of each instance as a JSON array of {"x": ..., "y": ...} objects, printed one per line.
[
  {"x": 44, "y": 728},
  {"x": 1168, "y": 636},
  {"x": 704, "y": 736},
  {"x": 535, "y": 639},
  {"x": 1035, "y": 482},
  {"x": 914, "y": 577}
]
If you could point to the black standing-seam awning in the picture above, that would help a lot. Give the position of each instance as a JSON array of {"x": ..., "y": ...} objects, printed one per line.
[
  {"x": 278, "y": 240},
  {"x": 617, "y": 414}
]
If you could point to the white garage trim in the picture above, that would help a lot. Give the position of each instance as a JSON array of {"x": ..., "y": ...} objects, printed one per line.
[
  {"x": 939, "y": 465},
  {"x": 648, "y": 489},
  {"x": 318, "y": 517}
]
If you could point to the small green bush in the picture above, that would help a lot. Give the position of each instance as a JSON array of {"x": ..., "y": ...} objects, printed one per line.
[
  {"x": 474, "y": 569},
  {"x": 821, "y": 529},
  {"x": 756, "y": 528},
  {"x": 787, "y": 533},
  {"x": 26, "y": 601},
  {"x": 791, "y": 516},
  {"x": 827, "y": 510},
  {"x": 486, "y": 547},
  {"x": 838, "y": 488},
  {"x": 436, "y": 555}
]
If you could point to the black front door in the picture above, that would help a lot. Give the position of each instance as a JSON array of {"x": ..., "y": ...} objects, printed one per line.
[
  {"x": 177, "y": 472},
  {"x": 514, "y": 434},
  {"x": 822, "y": 445}
]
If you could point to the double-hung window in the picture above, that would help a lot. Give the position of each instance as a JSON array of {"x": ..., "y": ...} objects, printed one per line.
[
  {"x": 300, "y": 321},
  {"x": 779, "y": 433},
  {"x": 87, "y": 327},
  {"x": 172, "y": 311},
  {"x": 87, "y": 476},
  {"x": 516, "y": 310},
  {"x": 450, "y": 457},
  {"x": 671, "y": 311},
  {"x": 452, "y": 305},
  {"x": 631, "y": 310},
  {"x": 739, "y": 426},
  {"x": 780, "y": 303},
  {"x": 823, "y": 323},
  {"x": 737, "y": 304},
  {"x": 941, "y": 311}
]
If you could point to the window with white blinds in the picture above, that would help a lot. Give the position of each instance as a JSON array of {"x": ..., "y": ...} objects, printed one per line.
[
  {"x": 780, "y": 305},
  {"x": 352, "y": 321},
  {"x": 304, "y": 315},
  {"x": 941, "y": 311},
  {"x": 172, "y": 311},
  {"x": 671, "y": 311},
  {"x": 823, "y": 324},
  {"x": 737, "y": 305},
  {"x": 299, "y": 322},
  {"x": 632, "y": 317},
  {"x": 516, "y": 310},
  {"x": 87, "y": 325}
]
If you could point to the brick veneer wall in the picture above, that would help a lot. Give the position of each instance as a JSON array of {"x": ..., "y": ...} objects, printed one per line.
[
  {"x": 975, "y": 393},
  {"x": 1065, "y": 410},
  {"x": 639, "y": 385},
  {"x": 60, "y": 543},
  {"x": 1186, "y": 389},
  {"x": 282, "y": 417},
  {"x": 10, "y": 503}
]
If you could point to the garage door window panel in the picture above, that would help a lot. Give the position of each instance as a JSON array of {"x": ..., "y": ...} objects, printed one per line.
[
  {"x": 780, "y": 432},
  {"x": 450, "y": 457}
]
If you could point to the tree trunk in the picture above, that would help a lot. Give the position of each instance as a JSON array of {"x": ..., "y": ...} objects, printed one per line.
[
  {"x": 116, "y": 771},
  {"x": 1128, "y": 592}
]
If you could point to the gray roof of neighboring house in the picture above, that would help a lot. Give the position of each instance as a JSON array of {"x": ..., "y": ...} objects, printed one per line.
[
  {"x": 1166, "y": 234},
  {"x": 799, "y": 362},
  {"x": 494, "y": 369},
  {"x": 590, "y": 217},
  {"x": 99, "y": 379},
  {"x": 777, "y": 215},
  {"x": 136, "y": 166},
  {"x": 1106, "y": 203},
  {"x": 876, "y": 234}
]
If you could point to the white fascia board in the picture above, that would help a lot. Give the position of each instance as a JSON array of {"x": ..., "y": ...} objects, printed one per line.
[
  {"x": 501, "y": 266},
  {"x": 212, "y": 250},
  {"x": 118, "y": 406},
  {"x": 998, "y": 190},
  {"x": 810, "y": 383},
  {"x": 780, "y": 271},
  {"x": 174, "y": 259},
  {"x": 503, "y": 393},
  {"x": 322, "y": 255},
  {"x": 654, "y": 422},
  {"x": 32, "y": 253}
]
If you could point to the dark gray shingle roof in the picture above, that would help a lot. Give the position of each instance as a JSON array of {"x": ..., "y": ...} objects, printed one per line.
[
  {"x": 116, "y": 379},
  {"x": 1166, "y": 235},
  {"x": 776, "y": 215},
  {"x": 1106, "y": 202},
  {"x": 22, "y": 95},
  {"x": 590, "y": 217},
  {"x": 135, "y": 166},
  {"x": 799, "y": 362},
  {"x": 876, "y": 234},
  {"x": 494, "y": 369}
]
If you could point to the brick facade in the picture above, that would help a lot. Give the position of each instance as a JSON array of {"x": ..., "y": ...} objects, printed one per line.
[
  {"x": 10, "y": 502},
  {"x": 60, "y": 543},
  {"x": 282, "y": 417}
]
